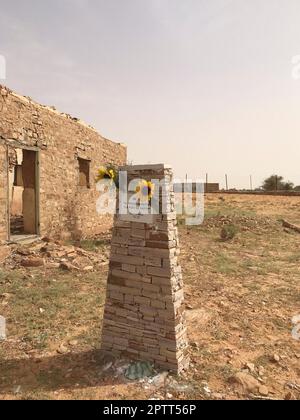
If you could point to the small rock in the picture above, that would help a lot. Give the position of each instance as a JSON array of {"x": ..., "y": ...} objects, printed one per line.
[
  {"x": 251, "y": 367},
  {"x": 46, "y": 239},
  {"x": 169, "y": 396},
  {"x": 159, "y": 380},
  {"x": 32, "y": 262},
  {"x": 52, "y": 265},
  {"x": 263, "y": 390},
  {"x": 69, "y": 250},
  {"x": 73, "y": 343},
  {"x": 207, "y": 390},
  {"x": 82, "y": 262},
  {"x": 121, "y": 367},
  {"x": 261, "y": 371},
  {"x": 23, "y": 251},
  {"x": 67, "y": 266},
  {"x": 246, "y": 382},
  {"x": 107, "y": 366},
  {"x": 62, "y": 349},
  {"x": 217, "y": 396},
  {"x": 276, "y": 358},
  {"x": 182, "y": 388},
  {"x": 88, "y": 268}
]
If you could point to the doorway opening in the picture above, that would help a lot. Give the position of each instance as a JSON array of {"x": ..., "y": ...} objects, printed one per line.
[{"x": 23, "y": 193}]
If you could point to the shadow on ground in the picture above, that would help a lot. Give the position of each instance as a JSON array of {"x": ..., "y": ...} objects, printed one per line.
[{"x": 73, "y": 370}]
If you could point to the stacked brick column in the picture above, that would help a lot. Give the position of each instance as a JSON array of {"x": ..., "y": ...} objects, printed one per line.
[{"x": 144, "y": 316}]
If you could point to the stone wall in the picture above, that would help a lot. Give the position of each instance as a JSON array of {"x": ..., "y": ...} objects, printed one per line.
[{"x": 66, "y": 209}]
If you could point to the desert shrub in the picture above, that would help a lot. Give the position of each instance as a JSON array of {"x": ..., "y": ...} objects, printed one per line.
[{"x": 228, "y": 232}]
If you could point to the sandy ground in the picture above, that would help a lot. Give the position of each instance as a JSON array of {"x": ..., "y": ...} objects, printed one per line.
[{"x": 241, "y": 296}]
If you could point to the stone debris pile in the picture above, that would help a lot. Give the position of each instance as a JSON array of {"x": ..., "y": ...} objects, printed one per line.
[{"x": 53, "y": 255}]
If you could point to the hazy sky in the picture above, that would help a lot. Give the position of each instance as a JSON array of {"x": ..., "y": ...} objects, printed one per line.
[{"x": 205, "y": 85}]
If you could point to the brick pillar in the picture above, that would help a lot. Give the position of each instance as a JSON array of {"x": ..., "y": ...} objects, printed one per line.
[{"x": 144, "y": 317}]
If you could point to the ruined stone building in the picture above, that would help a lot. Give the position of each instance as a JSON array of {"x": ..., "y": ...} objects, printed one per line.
[{"x": 48, "y": 165}]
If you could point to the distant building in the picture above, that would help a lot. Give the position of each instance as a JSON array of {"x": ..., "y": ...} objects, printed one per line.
[
  {"x": 206, "y": 187},
  {"x": 212, "y": 187}
]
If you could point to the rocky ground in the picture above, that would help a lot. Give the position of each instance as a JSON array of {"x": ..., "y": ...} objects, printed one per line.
[{"x": 242, "y": 286}]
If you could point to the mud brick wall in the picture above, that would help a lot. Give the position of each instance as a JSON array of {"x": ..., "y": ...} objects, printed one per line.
[
  {"x": 144, "y": 316},
  {"x": 66, "y": 209}
]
